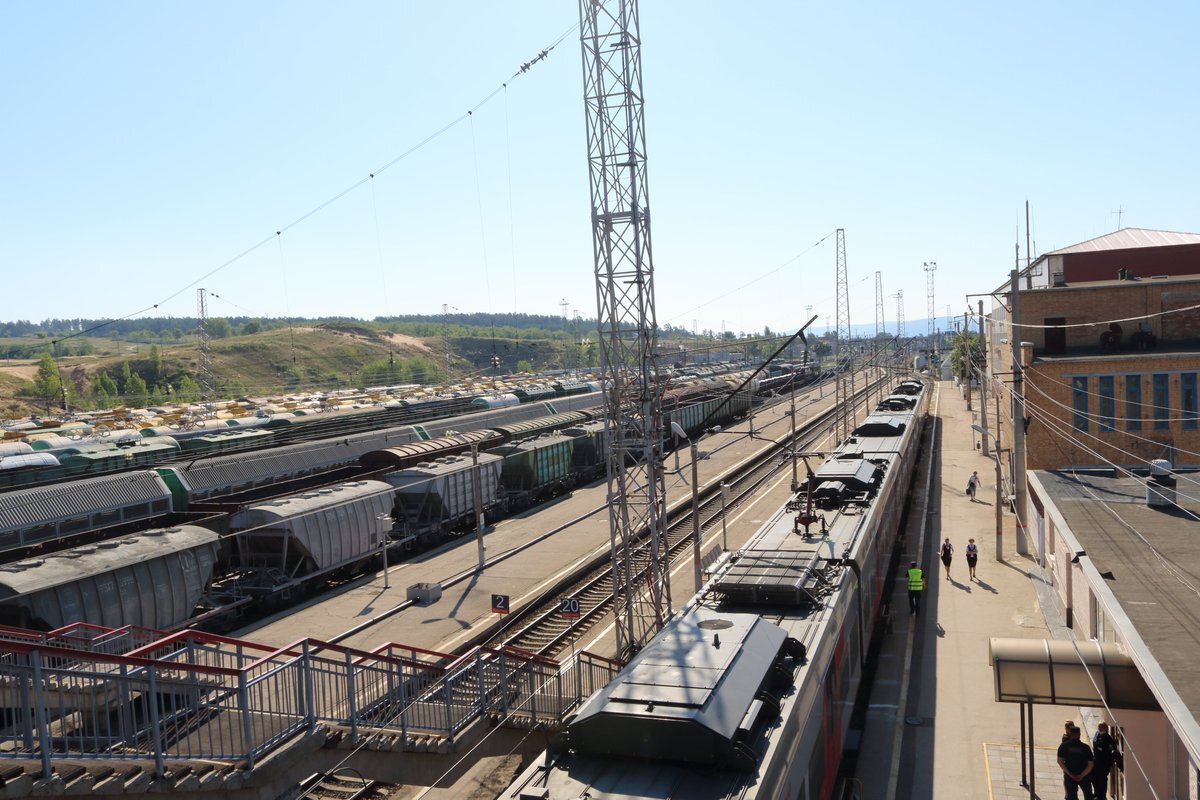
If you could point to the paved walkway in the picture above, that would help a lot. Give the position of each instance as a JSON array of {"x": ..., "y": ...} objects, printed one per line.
[{"x": 933, "y": 728}]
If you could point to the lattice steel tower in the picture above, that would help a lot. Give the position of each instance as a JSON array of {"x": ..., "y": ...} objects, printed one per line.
[
  {"x": 877, "y": 345},
  {"x": 931, "y": 312},
  {"x": 843, "y": 356},
  {"x": 207, "y": 383},
  {"x": 616, "y": 139},
  {"x": 879, "y": 304}
]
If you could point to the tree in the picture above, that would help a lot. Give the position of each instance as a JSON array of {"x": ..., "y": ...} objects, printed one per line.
[
  {"x": 102, "y": 388},
  {"x": 966, "y": 354},
  {"x": 253, "y": 326},
  {"x": 524, "y": 366},
  {"x": 188, "y": 391},
  {"x": 125, "y": 377},
  {"x": 219, "y": 328},
  {"x": 154, "y": 368},
  {"x": 47, "y": 380},
  {"x": 135, "y": 391}
]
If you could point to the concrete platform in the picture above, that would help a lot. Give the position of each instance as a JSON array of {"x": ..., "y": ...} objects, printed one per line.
[{"x": 933, "y": 729}]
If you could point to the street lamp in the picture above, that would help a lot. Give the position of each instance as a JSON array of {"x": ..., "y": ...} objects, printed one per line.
[
  {"x": 999, "y": 510},
  {"x": 724, "y": 530}
]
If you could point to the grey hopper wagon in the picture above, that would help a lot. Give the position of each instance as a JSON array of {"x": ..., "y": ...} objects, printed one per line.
[
  {"x": 315, "y": 531},
  {"x": 154, "y": 580},
  {"x": 439, "y": 495}
]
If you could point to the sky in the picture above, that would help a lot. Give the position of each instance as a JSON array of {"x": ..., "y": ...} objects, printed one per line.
[{"x": 149, "y": 148}]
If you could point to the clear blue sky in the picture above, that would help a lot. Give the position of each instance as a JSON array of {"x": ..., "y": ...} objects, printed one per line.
[{"x": 147, "y": 143}]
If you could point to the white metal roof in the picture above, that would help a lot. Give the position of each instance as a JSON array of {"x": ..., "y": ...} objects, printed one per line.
[{"x": 1129, "y": 239}]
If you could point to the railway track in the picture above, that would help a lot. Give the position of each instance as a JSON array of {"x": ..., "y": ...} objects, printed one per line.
[
  {"x": 322, "y": 786},
  {"x": 544, "y": 630}
]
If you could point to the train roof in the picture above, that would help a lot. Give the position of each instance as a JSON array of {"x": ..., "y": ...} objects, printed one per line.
[
  {"x": 405, "y": 453},
  {"x": 235, "y": 469},
  {"x": 46, "y": 504},
  {"x": 882, "y": 424},
  {"x": 315, "y": 500},
  {"x": 27, "y": 460},
  {"x": 686, "y": 696},
  {"x": 446, "y": 465},
  {"x": 33, "y": 575}
]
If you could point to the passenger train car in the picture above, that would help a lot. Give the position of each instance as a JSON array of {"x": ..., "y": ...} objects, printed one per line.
[{"x": 748, "y": 690}]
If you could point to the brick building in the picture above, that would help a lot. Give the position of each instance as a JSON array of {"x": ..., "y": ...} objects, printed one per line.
[
  {"x": 1100, "y": 391},
  {"x": 1110, "y": 333}
]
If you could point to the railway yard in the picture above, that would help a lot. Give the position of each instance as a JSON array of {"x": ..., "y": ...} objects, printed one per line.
[{"x": 409, "y": 683}]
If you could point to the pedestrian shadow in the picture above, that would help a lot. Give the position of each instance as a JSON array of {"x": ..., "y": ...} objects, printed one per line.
[
  {"x": 966, "y": 587},
  {"x": 981, "y": 502},
  {"x": 987, "y": 587},
  {"x": 939, "y": 631}
]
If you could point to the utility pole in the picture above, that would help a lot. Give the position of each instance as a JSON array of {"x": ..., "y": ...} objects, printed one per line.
[
  {"x": 207, "y": 384},
  {"x": 970, "y": 372},
  {"x": 983, "y": 370},
  {"x": 477, "y": 490},
  {"x": 879, "y": 324},
  {"x": 610, "y": 38},
  {"x": 842, "y": 354},
  {"x": 931, "y": 312},
  {"x": 1014, "y": 338}
]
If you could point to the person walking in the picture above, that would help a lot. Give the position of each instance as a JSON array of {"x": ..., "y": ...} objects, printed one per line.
[
  {"x": 1076, "y": 761},
  {"x": 972, "y": 556},
  {"x": 947, "y": 550},
  {"x": 1104, "y": 747},
  {"x": 916, "y": 585},
  {"x": 972, "y": 485}
]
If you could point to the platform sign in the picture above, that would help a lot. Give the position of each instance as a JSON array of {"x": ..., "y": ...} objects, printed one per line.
[
  {"x": 499, "y": 604},
  {"x": 569, "y": 607}
]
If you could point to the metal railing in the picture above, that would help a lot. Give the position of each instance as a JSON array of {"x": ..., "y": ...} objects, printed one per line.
[{"x": 87, "y": 693}]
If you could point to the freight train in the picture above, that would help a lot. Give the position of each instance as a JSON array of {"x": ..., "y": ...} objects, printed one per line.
[
  {"x": 350, "y": 496},
  {"x": 748, "y": 690},
  {"x": 77, "y": 450}
]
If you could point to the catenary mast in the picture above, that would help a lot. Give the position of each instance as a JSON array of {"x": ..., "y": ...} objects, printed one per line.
[
  {"x": 843, "y": 356},
  {"x": 207, "y": 384},
  {"x": 616, "y": 142}
]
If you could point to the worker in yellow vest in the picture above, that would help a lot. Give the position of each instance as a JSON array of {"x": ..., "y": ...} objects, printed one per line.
[{"x": 916, "y": 585}]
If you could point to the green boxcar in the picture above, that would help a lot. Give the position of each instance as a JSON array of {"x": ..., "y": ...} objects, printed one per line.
[
  {"x": 226, "y": 441},
  {"x": 95, "y": 459},
  {"x": 537, "y": 466}
]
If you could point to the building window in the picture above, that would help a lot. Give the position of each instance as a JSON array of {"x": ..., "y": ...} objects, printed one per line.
[
  {"x": 1108, "y": 406},
  {"x": 1133, "y": 402},
  {"x": 1187, "y": 400},
  {"x": 1081, "y": 403},
  {"x": 1162, "y": 402}
]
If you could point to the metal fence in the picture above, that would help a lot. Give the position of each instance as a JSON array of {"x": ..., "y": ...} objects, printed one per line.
[{"x": 192, "y": 695}]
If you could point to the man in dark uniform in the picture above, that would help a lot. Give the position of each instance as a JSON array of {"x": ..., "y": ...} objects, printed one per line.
[
  {"x": 1103, "y": 748},
  {"x": 1076, "y": 761}
]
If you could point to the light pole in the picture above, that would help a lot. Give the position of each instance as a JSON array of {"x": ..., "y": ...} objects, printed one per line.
[
  {"x": 724, "y": 529},
  {"x": 999, "y": 509},
  {"x": 383, "y": 541},
  {"x": 477, "y": 491}
]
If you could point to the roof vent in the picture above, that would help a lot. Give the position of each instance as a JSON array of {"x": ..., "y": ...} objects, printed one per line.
[
  {"x": 1160, "y": 489},
  {"x": 1058, "y": 279}
]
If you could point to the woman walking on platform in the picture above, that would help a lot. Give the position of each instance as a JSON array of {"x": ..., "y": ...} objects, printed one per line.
[
  {"x": 947, "y": 555},
  {"x": 972, "y": 557}
]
